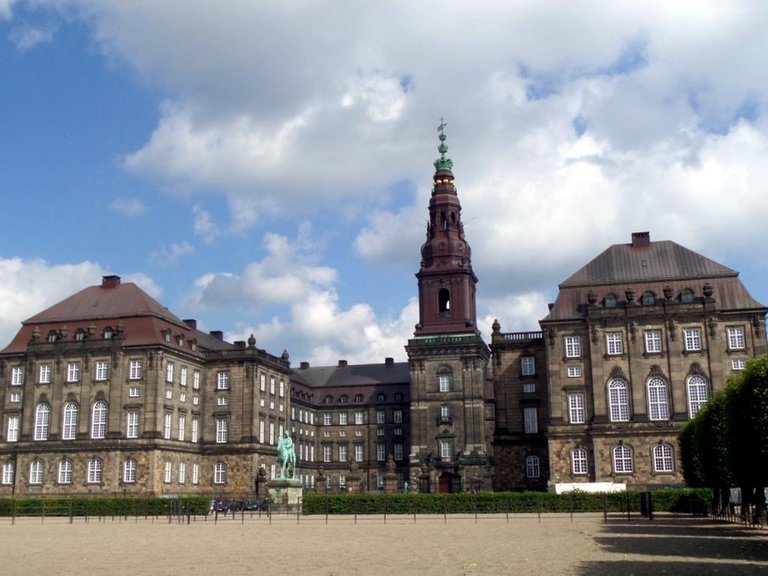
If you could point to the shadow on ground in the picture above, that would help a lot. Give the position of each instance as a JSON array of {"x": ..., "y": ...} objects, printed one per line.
[{"x": 679, "y": 546}]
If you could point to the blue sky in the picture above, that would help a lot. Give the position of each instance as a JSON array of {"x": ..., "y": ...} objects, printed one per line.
[{"x": 265, "y": 167}]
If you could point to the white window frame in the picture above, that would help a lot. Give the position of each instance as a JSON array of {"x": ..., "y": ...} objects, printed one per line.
[
  {"x": 222, "y": 380},
  {"x": 134, "y": 392},
  {"x": 44, "y": 374},
  {"x": 532, "y": 466},
  {"x": 102, "y": 370},
  {"x": 618, "y": 400},
  {"x": 444, "y": 382},
  {"x": 222, "y": 430},
  {"x": 182, "y": 472},
  {"x": 736, "y": 338},
  {"x": 343, "y": 418},
  {"x": 220, "y": 473},
  {"x": 195, "y": 473},
  {"x": 658, "y": 401},
  {"x": 530, "y": 420},
  {"x": 579, "y": 462},
  {"x": 196, "y": 380},
  {"x": 572, "y": 346},
  {"x": 9, "y": 469},
  {"x": 95, "y": 472},
  {"x": 183, "y": 372},
  {"x": 134, "y": 370},
  {"x": 182, "y": 426},
  {"x": 132, "y": 424},
  {"x": 576, "y": 410},
  {"x": 528, "y": 366},
  {"x": 359, "y": 450},
  {"x": 343, "y": 453},
  {"x": 359, "y": 417},
  {"x": 42, "y": 421},
  {"x": 614, "y": 343},
  {"x": 169, "y": 372},
  {"x": 17, "y": 376},
  {"x": 327, "y": 452},
  {"x": 381, "y": 452},
  {"x": 652, "y": 340},
  {"x": 738, "y": 363},
  {"x": 327, "y": 419},
  {"x": 167, "y": 472},
  {"x": 698, "y": 394},
  {"x": 623, "y": 461},
  {"x": 195, "y": 431},
  {"x": 381, "y": 417},
  {"x": 167, "y": 425},
  {"x": 398, "y": 452},
  {"x": 69, "y": 424},
  {"x": 397, "y": 416},
  {"x": 64, "y": 475},
  {"x": 12, "y": 428},
  {"x": 99, "y": 420},
  {"x": 73, "y": 372},
  {"x": 574, "y": 371},
  {"x": 692, "y": 339},
  {"x": 663, "y": 459},
  {"x": 36, "y": 472},
  {"x": 129, "y": 471}
]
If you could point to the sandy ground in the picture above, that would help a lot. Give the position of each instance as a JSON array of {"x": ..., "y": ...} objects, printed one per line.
[{"x": 432, "y": 545}]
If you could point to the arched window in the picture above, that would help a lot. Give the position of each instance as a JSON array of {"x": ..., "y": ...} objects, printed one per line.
[
  {"x": 532, "y": 466},
  {"x": 686, "y": 296},
  {"x": 42, "y": 421},
  {"x": 94, "y": 471},
  {"x": 52, "y": 336},
  {"x": 618, "y": 401},
  {"x": 622, "y": 459},
  {"x": 65, "y": 471},
  {"x": 80, "y": 335},
  {"x": 358, "y": 398},
  {"x": 444, "y": 302},
  {"x": 343, "y": 399},
  {"x": 99, "y": 420},
  {"x": 610, "y": 301},
  {"x": 444, "y": 380},
  {"x": 69, "y": 429},
  {"x": 697, "y": 394},
  {"x": 662, "y": 458},
  {"x": 129, "y": 471},
  {"x": 328, "y": 399},
  {"x": 648, "y": 298},
  {"x": 658, "y": 404},
  {"x": 579, "y": 461}
]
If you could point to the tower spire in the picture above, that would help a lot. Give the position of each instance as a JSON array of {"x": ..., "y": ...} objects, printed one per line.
[{"x": 443, "y": 163}]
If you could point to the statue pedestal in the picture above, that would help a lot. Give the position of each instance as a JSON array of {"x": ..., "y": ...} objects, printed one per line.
[{"x": 285, "y": 494}]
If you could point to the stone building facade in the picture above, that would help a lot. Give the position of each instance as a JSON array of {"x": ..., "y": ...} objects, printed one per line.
[{"x": 108, "y": 392}]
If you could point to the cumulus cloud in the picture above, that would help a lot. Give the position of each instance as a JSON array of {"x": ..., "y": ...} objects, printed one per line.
[
  {"x": 6, "y": 9},
  {"x": 27, "y": 37},
  {"x": 168, "y": 256},
  {"x": 30, "y": 286}
]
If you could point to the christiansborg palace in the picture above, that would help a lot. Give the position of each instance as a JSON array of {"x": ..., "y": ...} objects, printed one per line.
[{"x": 108, "y": 392}]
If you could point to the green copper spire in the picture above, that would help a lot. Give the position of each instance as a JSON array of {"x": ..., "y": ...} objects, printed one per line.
[{"x": 443, "y": 163}]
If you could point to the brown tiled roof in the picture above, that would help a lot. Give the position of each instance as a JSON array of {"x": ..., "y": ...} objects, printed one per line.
[
  {"x": 366, "y": 378},
  {"x": 650, "y": 266}
]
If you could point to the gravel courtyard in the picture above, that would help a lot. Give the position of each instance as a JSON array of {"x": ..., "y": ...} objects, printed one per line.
[{"x": 430, "y": 545}]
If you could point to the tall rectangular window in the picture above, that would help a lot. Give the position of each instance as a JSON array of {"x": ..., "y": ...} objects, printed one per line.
[
  {"x": 579, "y": 461},
  {"x": 12, "y": 431},
  {"x": 446, "y": 450},
  {"x": 652, "y": 341},
  {"x": 692, "y": 339},
  {"x": 263, "y": 382},
  {"x": 531, "y": 420},
  {"x": 222, "y": 380},
  {"x": 736, "y": 340},
  {"x": 398, "y": 452},
  {"x": 343, "y": 456},
  {"x": 272, "y": 433},
  {"x": 381, "y": 452},
  {"x": 222, "y": 425},
  {"x": 358, "y": 452},
  {"x": 36, "y": 472},
  {"x": 182, "y": 426},
  {"x": 132, "y": 424},
  {"x": 572, "y": 346},
  {"x": 272, "y": 385},
  {"x": 17, "y": 376},
  {"x": 65, "y": 472},
  {"x": 167, "y": 424},
  {"x": 444, "y": 382},
  {"x": 262, "y": 431},
  {"x": 281, "y": 388},
  {"x": 614, "y": 343},
  {"x": 220, "y": 473},
  {"x": 618, "y": 401},
  {"x": 8, "y": 473},
  {"x": 576, "y": 408},
  {"x": 397, "y": 416},
  {"x": 380, "y": 416},
  {"x": 327, "y": 419},
  {"x": 342, "y": 418},
  {"x": 102, "y": 370},
  {"x": 73, "y": 372},
  {"x": 134, "y": 370},
  {"x": 182, "y": 472},
  {"x": 183, "y": 371},
  {"x": 167, "y": 472},
  {"x": 195, "y": 429},
  {"x": 359, "y": 417},
  {"x": 326, "y": 452},
  {"x": 662, "y": 458},
  {"x": 196, "y": 380},
  {"x": 658, "y": 403},
  {"x": 45, "y": 374},
  {"x": 195, "y": 473},
  {"x": 169, "y": 372},
  {"x": 527, "y": 366}
]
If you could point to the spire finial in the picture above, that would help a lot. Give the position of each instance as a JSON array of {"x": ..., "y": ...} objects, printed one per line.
[{"x": 443, "y": 163}]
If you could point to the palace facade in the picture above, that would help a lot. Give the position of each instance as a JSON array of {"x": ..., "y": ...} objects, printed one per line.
[{"x": 108, "y": 392}]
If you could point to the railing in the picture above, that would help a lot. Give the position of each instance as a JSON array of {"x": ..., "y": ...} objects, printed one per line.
[{"x": 519, "y": 336}]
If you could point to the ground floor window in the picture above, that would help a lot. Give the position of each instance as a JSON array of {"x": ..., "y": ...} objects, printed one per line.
[{"x": 532, "y": 466}]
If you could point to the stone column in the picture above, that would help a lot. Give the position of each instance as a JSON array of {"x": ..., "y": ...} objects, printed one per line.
[{"x": 390, "y": 477}]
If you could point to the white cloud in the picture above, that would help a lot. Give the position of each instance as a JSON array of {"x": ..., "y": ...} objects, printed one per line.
[
  {"x": 128, "y": 206},
  {"x": 30, "y": 286},
  {"x": 27, "y": 37},
  {"x": 6, "y": 9},
  {"x": 167, "y": 256}
]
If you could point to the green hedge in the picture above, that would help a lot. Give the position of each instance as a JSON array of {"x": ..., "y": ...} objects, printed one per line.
[
  {"x": 689, "y": 500},
  {"x": 102, "y": 506}
]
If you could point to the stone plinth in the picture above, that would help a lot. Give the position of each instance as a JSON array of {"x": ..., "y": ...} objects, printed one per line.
[{"x": 285, "y": 493}]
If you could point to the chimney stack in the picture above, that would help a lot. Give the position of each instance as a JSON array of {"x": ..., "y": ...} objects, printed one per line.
[
  {"x": 641, "y": 239},
  {"x": 342, "y": 363},
  {"x": 110, "y": 281}
]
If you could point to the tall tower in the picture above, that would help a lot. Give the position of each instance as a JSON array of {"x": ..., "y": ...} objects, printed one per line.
[{"x": 451, "y": 423}]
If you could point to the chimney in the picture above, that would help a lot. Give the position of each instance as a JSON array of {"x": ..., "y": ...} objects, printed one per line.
[
  {"x": 191, "y": 322},
  {"x": 304, "y": 365},
  {"x": 641, "y": 239},
  {"x": 218, "y": 334},
  {"x": 342, "y": 363},
  {"x": 389, "y": 361},
  {"x": 110, "y": 281},
  {"x": 239, "y": 344}
]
